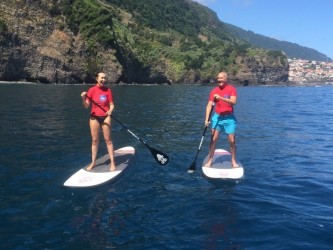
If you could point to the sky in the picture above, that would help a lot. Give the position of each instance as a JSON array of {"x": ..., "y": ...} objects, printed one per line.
[{"x": 308, "y": 23}]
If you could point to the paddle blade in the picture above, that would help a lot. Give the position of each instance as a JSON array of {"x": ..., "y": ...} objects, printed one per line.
[
  {"x": 192, "y": 168},
  {"x": 160, "y": 157}
]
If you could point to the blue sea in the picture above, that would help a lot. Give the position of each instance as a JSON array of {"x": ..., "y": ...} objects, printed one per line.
[{"x": 284, "y": 141}]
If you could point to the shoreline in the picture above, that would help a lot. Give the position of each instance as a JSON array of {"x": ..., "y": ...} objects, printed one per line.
[
  {"x": 18, "y": 82},
  {"x": 290, "y": 83}
]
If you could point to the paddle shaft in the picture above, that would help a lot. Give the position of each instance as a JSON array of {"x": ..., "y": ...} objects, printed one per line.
[
  {"x": 202, "y": 138},
  {"x": 158, "y": 155},
  {"x": 192, "y": 167},
  {"x": 204, "y": 132}
]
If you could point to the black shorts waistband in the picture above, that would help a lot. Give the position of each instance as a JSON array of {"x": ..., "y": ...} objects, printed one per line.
[{"x": 100, "y": 119}]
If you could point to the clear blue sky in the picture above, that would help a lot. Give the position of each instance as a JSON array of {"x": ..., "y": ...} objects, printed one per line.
[{"x": 308, "y": 23}]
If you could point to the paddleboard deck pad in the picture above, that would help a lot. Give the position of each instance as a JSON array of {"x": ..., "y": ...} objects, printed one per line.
[
  {"x": 101, "y": 172},
  {"x": 221, "y": 167}
]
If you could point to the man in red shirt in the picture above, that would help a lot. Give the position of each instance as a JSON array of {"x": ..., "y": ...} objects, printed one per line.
[
  {"x": 102, "y": 101},
  {"x": 225, "y": 97}
]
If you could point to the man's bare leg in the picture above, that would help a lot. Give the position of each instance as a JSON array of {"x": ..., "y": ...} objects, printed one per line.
[
  {"x": 232, "y": 142},
  {"x": 212, "y": 146}
]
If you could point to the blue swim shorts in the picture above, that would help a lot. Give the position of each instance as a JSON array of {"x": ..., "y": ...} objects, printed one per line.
[{"x": 226, "y": 123}]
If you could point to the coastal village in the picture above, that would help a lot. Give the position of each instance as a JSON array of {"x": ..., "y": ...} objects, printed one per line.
[{"x": 310, "y": 72}]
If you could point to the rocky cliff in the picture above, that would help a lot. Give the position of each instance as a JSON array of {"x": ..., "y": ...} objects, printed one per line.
[
  {"x": 33, "y": 48},
  {"x": 37, "y": 45}
]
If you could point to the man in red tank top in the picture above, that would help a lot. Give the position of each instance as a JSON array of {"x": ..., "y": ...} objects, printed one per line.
[{"x": 224, "y": 96}]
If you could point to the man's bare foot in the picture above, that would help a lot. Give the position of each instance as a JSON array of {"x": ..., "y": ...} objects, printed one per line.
[
  {"x": 208, "y": 164},
  {"x": 234, "y": 164},
  {"x": 91, "y": 166},
  {"x": 112, "y": 167}
]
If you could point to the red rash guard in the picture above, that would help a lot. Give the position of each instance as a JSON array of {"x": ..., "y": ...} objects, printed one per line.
[
  {"x": 221, "y": 107},
  {"x": 103, "y": 97}
]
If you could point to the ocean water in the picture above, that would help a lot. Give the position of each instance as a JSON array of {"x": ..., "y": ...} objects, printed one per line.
[{"x": 284, "y": 141}]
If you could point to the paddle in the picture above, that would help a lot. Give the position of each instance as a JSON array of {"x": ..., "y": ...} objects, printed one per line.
[
  {"x": 160, "y": 157},
  {"x": 192, "y": 168}
]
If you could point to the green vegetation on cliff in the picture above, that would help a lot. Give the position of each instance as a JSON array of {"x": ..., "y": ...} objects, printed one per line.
[
  {"x": 142, "y": 41},
  {"x": 177, "y": 40}
]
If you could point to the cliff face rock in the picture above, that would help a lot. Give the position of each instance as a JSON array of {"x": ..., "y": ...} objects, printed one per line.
[
  {"x": 261, "y": 71},
  {"x": 35, "y": 48}
]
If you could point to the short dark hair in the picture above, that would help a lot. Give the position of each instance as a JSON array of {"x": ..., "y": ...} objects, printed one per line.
[{"x": 97, "y": 73}]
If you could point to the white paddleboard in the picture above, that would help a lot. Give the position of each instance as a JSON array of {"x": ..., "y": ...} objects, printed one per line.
[
  {"x": 101, "y": 173},
  {"x": 221, "y": 167}
]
